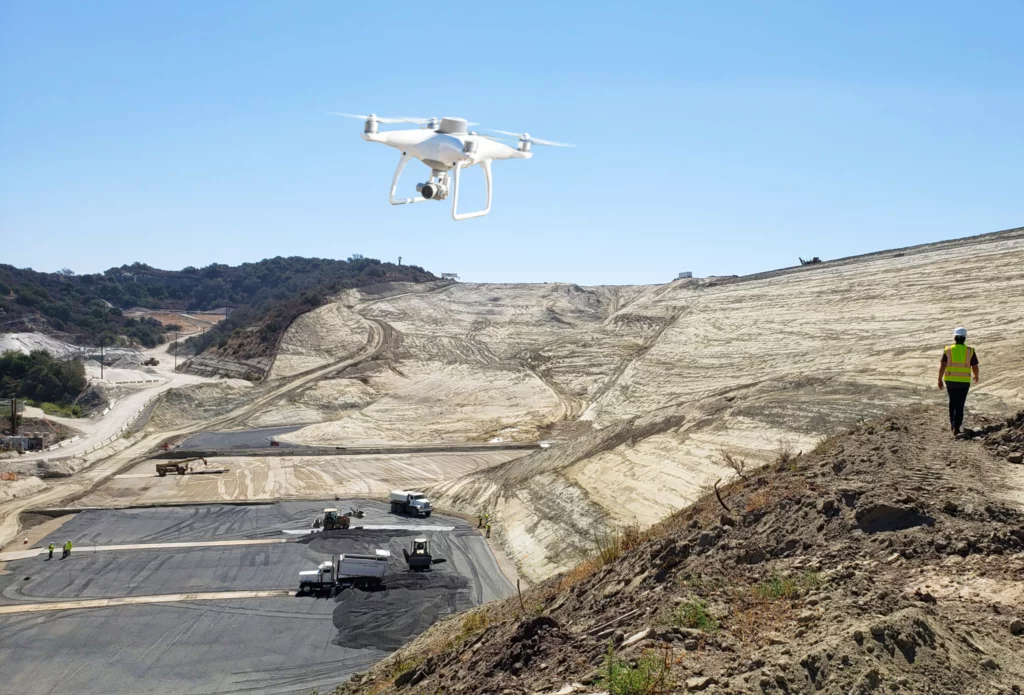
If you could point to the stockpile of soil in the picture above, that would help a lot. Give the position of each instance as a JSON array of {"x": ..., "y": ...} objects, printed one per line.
[
  {"x": 1007, "y": 440},
  {"x": 884, "y": 561}
]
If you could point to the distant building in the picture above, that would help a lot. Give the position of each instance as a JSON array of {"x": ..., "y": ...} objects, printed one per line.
[
  {"x": 685, "y": 274},
  {"x": 450, "y": 276}
]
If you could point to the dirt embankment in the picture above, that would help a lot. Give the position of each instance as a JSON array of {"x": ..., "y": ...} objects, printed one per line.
[{"x": 889, "y": 559}]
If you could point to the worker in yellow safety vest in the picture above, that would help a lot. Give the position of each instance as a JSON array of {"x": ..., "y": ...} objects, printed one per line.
[
  {"x": 50, "y": 548},
  {"x": 959, "y": 362}
]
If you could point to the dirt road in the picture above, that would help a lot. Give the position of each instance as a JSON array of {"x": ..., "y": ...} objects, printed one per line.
[{"x": 63, "y": 489}]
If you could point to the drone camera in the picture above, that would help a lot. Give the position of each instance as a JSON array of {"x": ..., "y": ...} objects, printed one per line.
[{"x": 432, "y": 190}]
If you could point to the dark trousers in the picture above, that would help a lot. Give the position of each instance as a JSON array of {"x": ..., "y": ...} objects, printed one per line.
[{"x": 957, "y": 391}]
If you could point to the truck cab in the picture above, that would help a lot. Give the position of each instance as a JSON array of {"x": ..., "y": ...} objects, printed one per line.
[{"x": 323, "y": 577}]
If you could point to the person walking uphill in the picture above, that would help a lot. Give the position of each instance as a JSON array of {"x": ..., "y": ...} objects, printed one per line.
[{"x": 959, "y": 361}]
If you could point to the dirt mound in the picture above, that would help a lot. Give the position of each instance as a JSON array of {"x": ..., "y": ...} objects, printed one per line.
[
  {"x": 883, "y": 561},
  {"x": 1007, "y": 441}
]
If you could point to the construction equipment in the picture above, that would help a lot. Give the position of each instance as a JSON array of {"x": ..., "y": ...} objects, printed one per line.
[
  {"x": 331, "y": 520},
  {"x": 419, "y": 559},
  {"x": 151, "y": 362},
  {"x": 356, "y": 513},
  {"x": 349, "y": 568},
  {"x": 180, "y": 467},
  {"x": 407, "y": 502},
  {"x": 813, "y": 261}
]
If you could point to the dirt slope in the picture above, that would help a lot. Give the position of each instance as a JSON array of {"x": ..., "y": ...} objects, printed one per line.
[
  {"x": 727, "y": 365},
  {"x": 890, "y": 559}
]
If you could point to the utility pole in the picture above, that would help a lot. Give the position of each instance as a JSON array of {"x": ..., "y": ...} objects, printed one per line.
[
  {"x": 101, "y": 360},
  {"x": 399, "y": 260},
  {"x": 175, "y": 350},
  {"x": 14, "y": 417}
]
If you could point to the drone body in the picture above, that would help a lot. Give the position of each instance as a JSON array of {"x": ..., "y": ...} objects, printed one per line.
[{"x": 445, "y": 145}]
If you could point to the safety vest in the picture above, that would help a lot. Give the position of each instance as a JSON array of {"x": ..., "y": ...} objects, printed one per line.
[{"x": 958, "y": 363}]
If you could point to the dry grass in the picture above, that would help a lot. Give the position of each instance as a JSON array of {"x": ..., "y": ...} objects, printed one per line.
[
  {"x": 786, "y": 454},
  {"x": 608, "y": 547},
  {"x": 736, "y": 463}
]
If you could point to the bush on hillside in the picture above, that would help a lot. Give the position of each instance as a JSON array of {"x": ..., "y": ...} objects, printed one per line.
[{"x": 41, "y": 377}]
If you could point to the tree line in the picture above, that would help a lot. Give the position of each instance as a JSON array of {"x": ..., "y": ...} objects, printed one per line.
[{"x": 268, "y": 294}]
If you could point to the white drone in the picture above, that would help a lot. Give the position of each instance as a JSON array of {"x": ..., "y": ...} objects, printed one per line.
[{"x": 445, "y": 144}]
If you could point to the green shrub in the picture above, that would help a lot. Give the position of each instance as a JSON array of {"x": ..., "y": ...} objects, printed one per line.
[
  {"x": 694, "y": 615},
  {"x": 647, "y": 675},
  {"x": 787, "y": 587}
]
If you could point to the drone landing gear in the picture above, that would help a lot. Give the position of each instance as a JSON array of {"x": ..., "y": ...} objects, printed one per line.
[
  {"x": 486, "y": 165},
  {"x": 394, "y": 184},
  {"x": 437, "y": 188}
]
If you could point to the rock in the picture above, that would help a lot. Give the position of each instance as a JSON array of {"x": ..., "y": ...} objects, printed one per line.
[
  {"x": 690, "y": 645},
  {"x": 774, "y": 638},
  {"x": 950, "y": 507},
  {"x": 727, "y": 520},
  {"x": 876, "y": 518},
  {"x": 812, "y": 601},
  {"x": 699, "y": 683},
  {"x": 633, "y": 639},
  {"x": 961, "y": 548},
  {"x": 924, "y": 596},
  {"x": 614, "y": 588},
  {"x": 989, "y": 663},
  {"x": 1015, "y": 458},
  {"x": 405, "y": 678},
  {"x": 706, "y": 540},
  {"x": 807, "y": 617},
  {"x": 1017, "y": 626},
  {"x": 827, "y": 506}
]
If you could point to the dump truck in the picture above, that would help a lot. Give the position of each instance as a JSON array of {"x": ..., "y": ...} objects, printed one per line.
[
  {"x": 180, "y": 467},
  {"x": 348, "y": 568},
  {"x": 419, "y": 559},
  {"x": 331, "y": 520},
  {"x": 408, "y": 502}
]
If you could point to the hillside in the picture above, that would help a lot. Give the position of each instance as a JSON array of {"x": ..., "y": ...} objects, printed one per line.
[
  {"x": 265, "y": 296},
  {"x": 888, "y": 559},
  {"x": 647, "y": 387}
]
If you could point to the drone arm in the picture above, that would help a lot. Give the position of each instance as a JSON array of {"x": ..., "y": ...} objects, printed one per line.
[
  {"x": 394, "y": 183},
  {"x": 486, "y": 164}
]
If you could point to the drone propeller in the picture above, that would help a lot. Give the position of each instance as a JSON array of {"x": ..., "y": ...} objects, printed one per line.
[
  {"x": 491, "y": 137},
  {"x": 526, "y": 137},
  {"x": 382, "y": 119}
]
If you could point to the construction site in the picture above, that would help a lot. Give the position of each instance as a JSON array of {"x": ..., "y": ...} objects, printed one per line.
[{"x": 718, "y": 433}]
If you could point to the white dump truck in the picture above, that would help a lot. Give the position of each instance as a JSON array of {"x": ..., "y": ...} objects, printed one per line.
[
  {"x": 352, "y": 567},
  {"x": 408, "y": 502}
]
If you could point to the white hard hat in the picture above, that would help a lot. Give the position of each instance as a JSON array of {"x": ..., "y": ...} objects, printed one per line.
[{"x": 960, "y": 332}]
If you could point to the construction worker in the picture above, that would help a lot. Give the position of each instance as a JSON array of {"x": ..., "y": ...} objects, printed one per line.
[
  {"x": 488, "y": 529},
  {"x": 50, "y": 548},
  {"x": 67, "y": 549},
  {"x": 958, "y": 362}
]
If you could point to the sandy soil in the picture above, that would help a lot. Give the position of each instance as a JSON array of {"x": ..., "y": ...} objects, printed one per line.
[
  {"x": 324, "y": 335},
  {"x": 295, "y": 477}
]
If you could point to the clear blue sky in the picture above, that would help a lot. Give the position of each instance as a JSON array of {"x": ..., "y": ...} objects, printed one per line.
[{"x": 721, "y": 138}]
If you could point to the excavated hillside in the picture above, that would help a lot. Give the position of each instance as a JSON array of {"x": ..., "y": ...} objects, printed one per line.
[
  {"x": 889, "y": 559},
  {"x": 724, "y": 365},
  {"x": 646, "y": 391}
]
